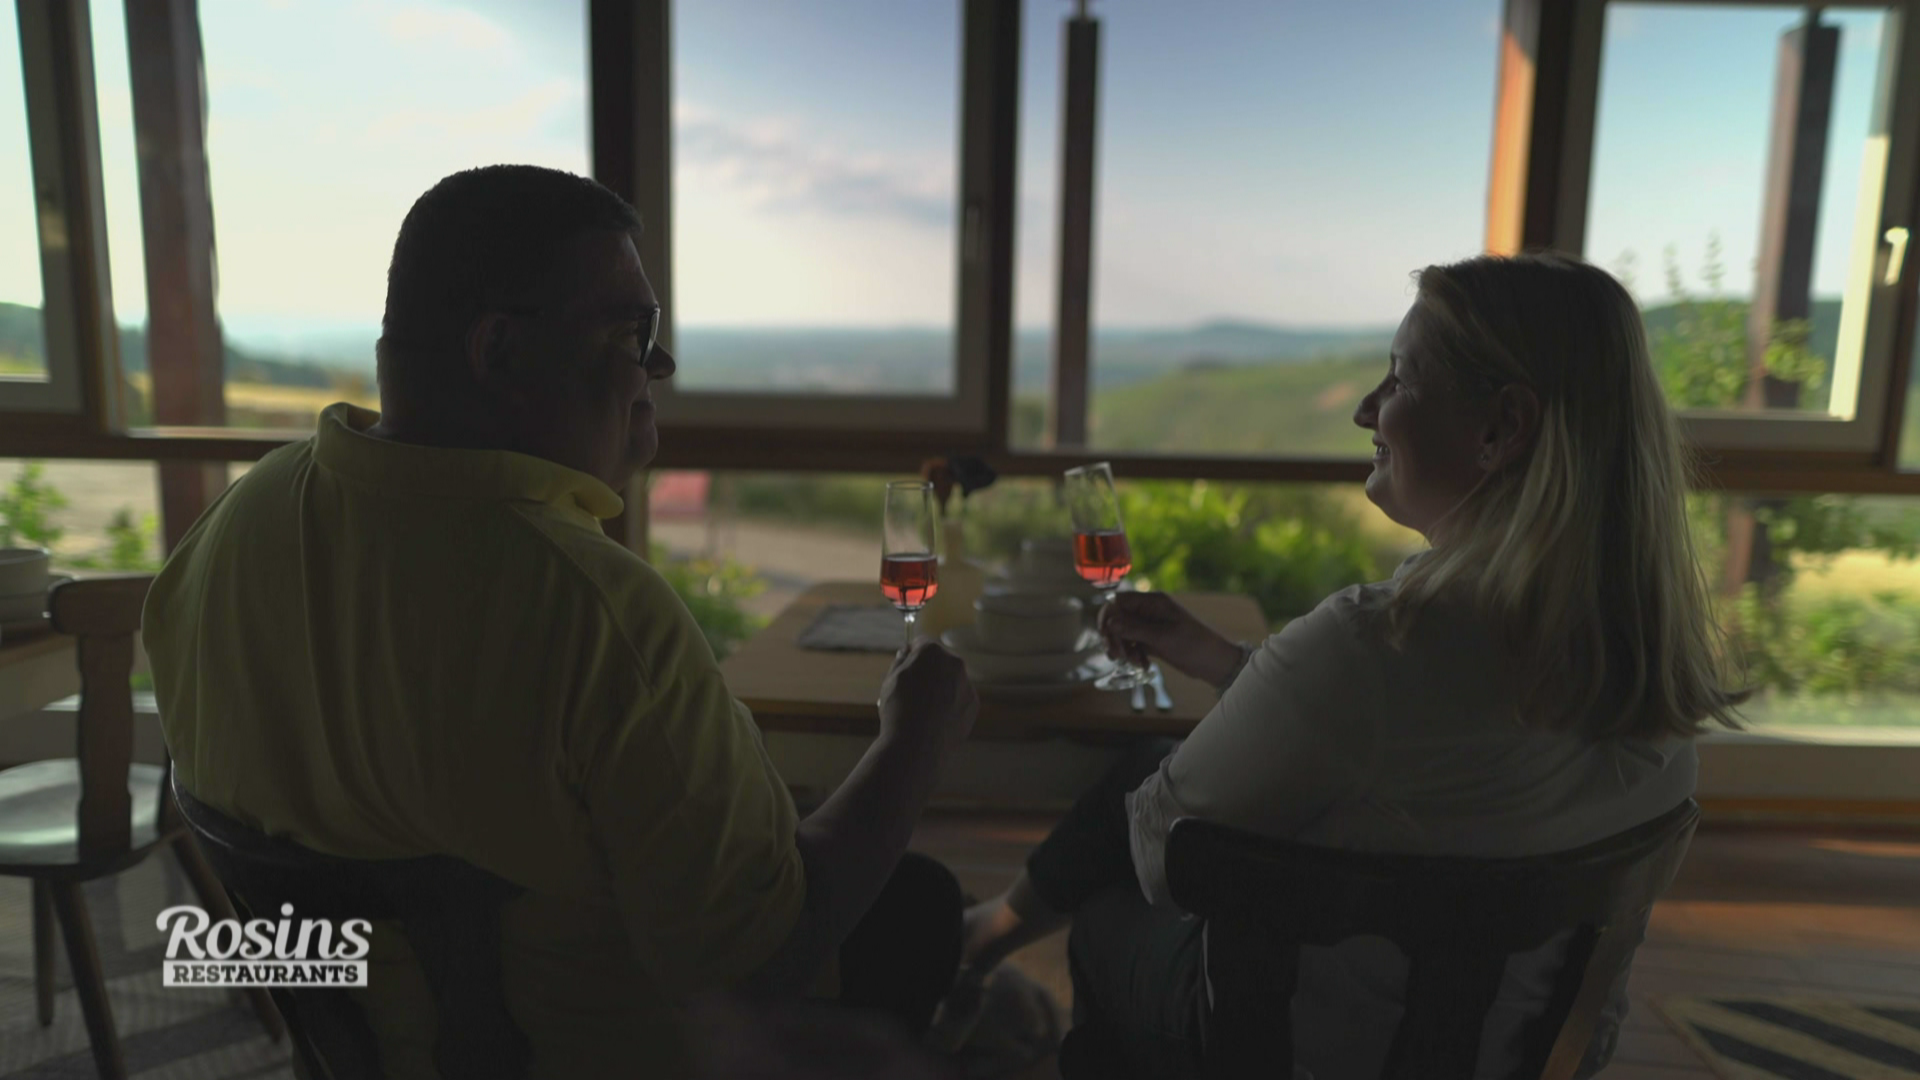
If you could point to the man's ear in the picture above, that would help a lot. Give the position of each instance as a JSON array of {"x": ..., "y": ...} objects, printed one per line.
[{"x": 487, "y": 356}]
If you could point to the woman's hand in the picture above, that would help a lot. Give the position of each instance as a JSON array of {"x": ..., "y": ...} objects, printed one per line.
[{"x": 1136, "y": 624}]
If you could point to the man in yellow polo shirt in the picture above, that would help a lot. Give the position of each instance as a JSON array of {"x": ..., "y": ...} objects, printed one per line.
[{"x": 409, "y": 636}]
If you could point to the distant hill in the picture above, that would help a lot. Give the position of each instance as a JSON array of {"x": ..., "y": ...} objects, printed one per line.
[
  {"x": 23, "y": 335},
  {"x": 1302, "y": 407}
]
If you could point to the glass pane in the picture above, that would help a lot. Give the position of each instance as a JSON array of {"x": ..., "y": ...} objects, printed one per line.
[
  {"x": 22, "y": 342},
  {"x": 92, "y": 515},
  {"x": 323, "y": 127},
  {"x": 1827, "y": 617},
  {"x": 1685, "y": 128},
  {"x": 1268, "y": 177},
  {"x": 814, "y": 171}
]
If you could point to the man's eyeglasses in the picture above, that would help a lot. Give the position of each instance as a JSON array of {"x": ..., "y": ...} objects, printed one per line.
[{"x": 652, "y": 318}]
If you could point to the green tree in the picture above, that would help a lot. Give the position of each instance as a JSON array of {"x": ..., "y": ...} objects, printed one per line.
[{"x": 27, "y": 507}]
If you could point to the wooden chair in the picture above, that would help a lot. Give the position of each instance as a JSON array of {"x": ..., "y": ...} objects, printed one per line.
[
  {"x": 71, "y": 820},
  {"x": 1456, "y": 919}
]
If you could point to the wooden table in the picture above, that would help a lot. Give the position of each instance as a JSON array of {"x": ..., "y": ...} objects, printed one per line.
[
  {"x": 825, "y": 692},
  {"x": 37, "y": 669}
]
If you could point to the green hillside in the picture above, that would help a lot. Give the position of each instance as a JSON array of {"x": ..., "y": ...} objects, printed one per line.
[{"x": 1303, "y": 407}]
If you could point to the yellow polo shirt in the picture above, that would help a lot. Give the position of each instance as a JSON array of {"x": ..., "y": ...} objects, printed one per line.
[{"x": 381, "y": 650}]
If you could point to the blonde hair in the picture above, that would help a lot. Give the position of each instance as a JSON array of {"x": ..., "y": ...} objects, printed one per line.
[{"x": 1579, "y": 551}]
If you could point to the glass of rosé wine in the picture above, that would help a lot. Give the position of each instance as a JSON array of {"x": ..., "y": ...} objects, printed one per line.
[
  {"x": 1100, "y": 550},
  {"x": 909, "y": 567}
]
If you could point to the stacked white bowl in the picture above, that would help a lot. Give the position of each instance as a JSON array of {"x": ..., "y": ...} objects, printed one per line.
[{"x": 24, "y": 578}]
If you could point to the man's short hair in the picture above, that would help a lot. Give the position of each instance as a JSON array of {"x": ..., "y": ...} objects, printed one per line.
[{"x": 477, "y": 239}]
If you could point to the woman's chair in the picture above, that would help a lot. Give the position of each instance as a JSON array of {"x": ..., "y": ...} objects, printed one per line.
[
  {"x": 1456, "y": 919},
  {"x": 69, "y": 821}
]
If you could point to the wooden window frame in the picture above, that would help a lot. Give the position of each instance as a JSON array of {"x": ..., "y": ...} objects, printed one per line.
[
  {"x": 1545, "y": 59},
  {"x": 78, "y": 397},
  {"x": 636, "y": 36},
  {"x": 1539, "y": 199}
]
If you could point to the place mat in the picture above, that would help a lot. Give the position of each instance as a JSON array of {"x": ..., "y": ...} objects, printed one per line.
[
  {"x": 856, "y": 628},
  {"x": 1800, "y": 1038}
]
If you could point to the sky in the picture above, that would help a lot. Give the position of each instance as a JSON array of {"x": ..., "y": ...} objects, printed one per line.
[{"x": 1282, "y": 162}]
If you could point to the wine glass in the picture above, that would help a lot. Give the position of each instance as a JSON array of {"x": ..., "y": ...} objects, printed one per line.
[
  {"x": 1100, "y": 550},
  {"x": 909, "y": 567}
]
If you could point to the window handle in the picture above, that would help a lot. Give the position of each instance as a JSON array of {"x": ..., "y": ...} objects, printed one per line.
[{"x": 1896, "y": 238}]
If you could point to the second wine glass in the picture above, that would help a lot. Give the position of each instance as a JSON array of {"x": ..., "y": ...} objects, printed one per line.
[
  {"x": 1100, "y": 550},
  {"x": 909, "y": 564}
]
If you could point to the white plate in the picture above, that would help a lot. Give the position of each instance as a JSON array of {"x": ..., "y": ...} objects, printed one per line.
[
  {"x": 985, "y": 665},
  {"x": 1029, "y": 692},
  {"x": 1059, "y": 676}
]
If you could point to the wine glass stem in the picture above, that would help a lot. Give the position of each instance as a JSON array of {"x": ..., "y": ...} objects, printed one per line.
[
  {"x": 911, "y": 617},
  {"x": 1126, "y": 666}
]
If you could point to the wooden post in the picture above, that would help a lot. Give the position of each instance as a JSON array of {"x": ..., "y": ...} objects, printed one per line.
[
  {"x": 1072, "y": 336},
  {"x": 1790, "y": 207},
  {"x": 629, "y": 54},
  {"x": 184, "y": 354},
  {"x": 1783, "y": 289},
  {"x": 1543, "y": 125}
]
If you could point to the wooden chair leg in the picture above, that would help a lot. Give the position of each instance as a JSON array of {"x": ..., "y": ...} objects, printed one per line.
[
  {"x": 84, "y": 956},
  {"x": 43, "y": 926},
  {"x": 213, "y": 897}
]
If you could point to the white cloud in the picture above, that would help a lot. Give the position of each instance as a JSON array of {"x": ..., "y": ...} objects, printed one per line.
[
  {"x": 445, "y": 26},
  {"x": 777, "y": 163}
]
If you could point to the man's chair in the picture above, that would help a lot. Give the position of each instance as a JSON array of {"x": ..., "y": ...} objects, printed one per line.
[
  {"x": 69, "y": 821},
  {"x": 1456, "y": 919},
  {"x": 447, "y": 910}
]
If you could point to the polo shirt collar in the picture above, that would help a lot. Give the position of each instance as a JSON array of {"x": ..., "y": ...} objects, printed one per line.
[{"x": 342, "y": 445}]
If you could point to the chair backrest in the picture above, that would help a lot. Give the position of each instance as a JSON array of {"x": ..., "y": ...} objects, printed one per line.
[
  {"x": 1457, "y": 920},
  {"x": 448, "y": 911},
  {"x": 104, "y": 614}
]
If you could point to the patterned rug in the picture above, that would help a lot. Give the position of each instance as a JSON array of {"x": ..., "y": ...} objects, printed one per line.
[
  {"x": 1801, "y": 1038},
  {"x": 166, "y": 1033}
]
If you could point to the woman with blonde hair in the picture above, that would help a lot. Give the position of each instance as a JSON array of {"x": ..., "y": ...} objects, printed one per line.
[{"x": 1529, "y": 683}]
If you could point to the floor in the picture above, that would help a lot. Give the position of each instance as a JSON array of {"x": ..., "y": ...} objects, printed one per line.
[{"x": 1769, "y": 912}]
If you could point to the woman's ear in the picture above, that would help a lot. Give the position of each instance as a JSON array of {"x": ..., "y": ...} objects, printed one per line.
[{"x": 1512, "y": 428}]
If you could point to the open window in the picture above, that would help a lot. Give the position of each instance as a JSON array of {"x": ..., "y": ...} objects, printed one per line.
[
  {"x": 832, "y": 218},
  {"x": 1750, "y": 169},
  {"x": 56, "y": 343}
]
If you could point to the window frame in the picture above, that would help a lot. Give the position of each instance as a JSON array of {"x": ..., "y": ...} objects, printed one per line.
[
  {"x": 1536, "y": 174},
  {"x": 1855, "y": 435},
  {"x": 78, "y": 396},
  {"x": 968, "y": 419}
]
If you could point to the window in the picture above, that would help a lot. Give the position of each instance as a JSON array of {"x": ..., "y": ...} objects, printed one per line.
[
  {"x": 23, "y": 354},
  {"x": 50, "y": 248},
  {"x": 1268, "y": 177},
  {"x": 1763, "y": 282},
  {"x": 814, "y": 213},
  {"x": 91, "y": 515},
  {"x": 322, "y": 129},
  {"x": 1825, "y": 613},
  {"x": 816, "y": 206}
]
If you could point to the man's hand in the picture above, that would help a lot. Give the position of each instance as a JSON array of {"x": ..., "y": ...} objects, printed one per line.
[
  {"x": 928, "y": 690},
  {"x": 1135, "y": 624}
]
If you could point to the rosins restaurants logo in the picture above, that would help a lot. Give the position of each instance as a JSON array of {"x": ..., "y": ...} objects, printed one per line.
[{"x": 262, "y": 952}]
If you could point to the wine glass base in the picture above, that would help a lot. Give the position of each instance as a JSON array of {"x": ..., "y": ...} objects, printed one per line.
[{"x": 1120, "y": 680}]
